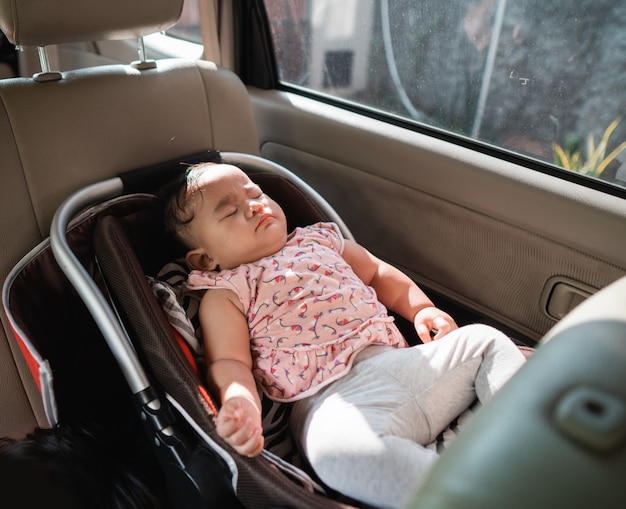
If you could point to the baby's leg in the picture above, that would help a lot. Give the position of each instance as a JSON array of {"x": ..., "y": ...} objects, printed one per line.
[
  {"x": 351, "y": 449},
  {"x": 364, "y": 434},
  {"x": 476, "y": 358}
]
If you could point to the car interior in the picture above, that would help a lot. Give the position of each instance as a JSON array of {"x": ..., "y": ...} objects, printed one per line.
[{"x": 490, "y": 236}]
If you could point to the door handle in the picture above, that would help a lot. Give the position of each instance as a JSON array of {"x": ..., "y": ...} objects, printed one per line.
[{"x": 562, "y": 294}]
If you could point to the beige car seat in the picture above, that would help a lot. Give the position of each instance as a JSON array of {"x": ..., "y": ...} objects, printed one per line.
[{"x": 62, "y": 131}]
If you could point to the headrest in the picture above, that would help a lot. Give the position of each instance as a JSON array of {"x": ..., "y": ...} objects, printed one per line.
[{"x": 40, "y": 23}]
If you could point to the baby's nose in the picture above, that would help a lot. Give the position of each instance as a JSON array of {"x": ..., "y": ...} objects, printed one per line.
[{"x": 256, "y": 206}]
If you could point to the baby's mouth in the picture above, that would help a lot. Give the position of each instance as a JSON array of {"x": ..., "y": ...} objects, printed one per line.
[{"x": 264, "y": 219}]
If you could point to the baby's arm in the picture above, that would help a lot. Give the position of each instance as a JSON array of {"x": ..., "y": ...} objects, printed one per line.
[
  {"x": 398, "y": 292},
  {"x": 229, "y": 370}
]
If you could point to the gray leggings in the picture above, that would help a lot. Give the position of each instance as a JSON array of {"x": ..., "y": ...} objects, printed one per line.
[{"x": 364, "y": 434}]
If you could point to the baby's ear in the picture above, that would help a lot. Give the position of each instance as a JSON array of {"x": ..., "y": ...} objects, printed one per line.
[{"x": 198, "y": 259}]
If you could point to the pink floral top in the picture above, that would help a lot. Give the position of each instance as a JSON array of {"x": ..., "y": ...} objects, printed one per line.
[{"x": 308, "y": 313}]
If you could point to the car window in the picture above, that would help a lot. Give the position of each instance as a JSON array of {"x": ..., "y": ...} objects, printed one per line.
[{"x": 544, "y": 80}]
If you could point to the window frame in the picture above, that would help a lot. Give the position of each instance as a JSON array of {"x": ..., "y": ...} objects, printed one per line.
[{"x": 256, "y": 66}]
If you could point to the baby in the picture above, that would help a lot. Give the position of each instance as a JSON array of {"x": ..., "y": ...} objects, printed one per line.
[{"x": 303, "y": 316}]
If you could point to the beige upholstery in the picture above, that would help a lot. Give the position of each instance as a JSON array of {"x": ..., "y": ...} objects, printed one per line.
[
  {"x": 58, "y": 136},
  {"x": 57, "y": 21}
]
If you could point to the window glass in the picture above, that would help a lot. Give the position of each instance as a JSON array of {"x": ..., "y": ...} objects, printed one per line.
[
  {"x": 188, "y": 26},
  {"x": 543, "y": 79}
]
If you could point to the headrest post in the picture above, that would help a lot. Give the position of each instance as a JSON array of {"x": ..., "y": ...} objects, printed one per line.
[
  {"x": 141, "y": 49},
  {"x": 142, "y": 63},
  {"x": 43, "y": 59},
  {"x": 46, "y": 74}
]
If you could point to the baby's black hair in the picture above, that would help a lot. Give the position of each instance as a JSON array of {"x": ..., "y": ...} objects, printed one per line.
[{"x": 173, "y": 200}]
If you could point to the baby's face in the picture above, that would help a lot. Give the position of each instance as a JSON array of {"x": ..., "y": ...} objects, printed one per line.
[{"x": 234, "y": 221}]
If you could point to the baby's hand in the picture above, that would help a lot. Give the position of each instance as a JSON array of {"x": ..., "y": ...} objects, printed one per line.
[
  {"x": 433, "y": 319},
  {"x": 239, "y": 423}
]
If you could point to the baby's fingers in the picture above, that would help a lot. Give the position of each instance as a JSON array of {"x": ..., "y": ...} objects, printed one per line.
[
  {"x": 442, "y": 325},
  {"x": 251, "y": 441},
  {"x": 240, "y": 428},
  {"x": 245, "y": 436},
  {"x": 423, "y": 331},
  {"x": 432, "y": 323},
  {"x": 227, "y": 425}
]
